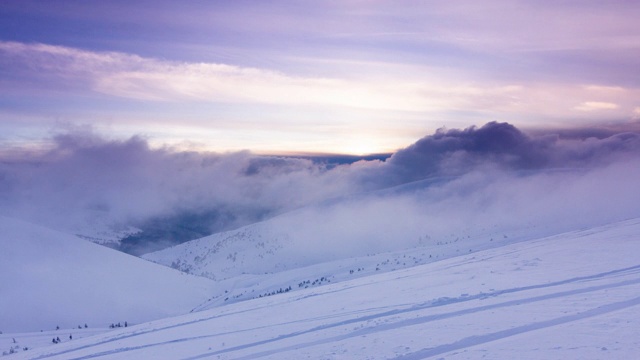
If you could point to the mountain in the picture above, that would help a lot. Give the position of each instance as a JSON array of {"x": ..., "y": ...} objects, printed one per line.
[
  {"x": 110, "y": 236},
  {"x": 160, "y": 232},
  {"x": 568, "y": 296},
  {"x": 53, "y": 279},
  {"x": 275, "y": 256},
  {"x": 351, "y": 237}
]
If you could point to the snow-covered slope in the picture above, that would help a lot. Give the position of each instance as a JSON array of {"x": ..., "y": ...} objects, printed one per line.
[
  {"x": 110, "y": 236},
  {"x": 396, "y": 228},
  {"x": 53, "y": 279},
  {"x": 269, "y": 258},
  {"x": 570, "y": 296}
]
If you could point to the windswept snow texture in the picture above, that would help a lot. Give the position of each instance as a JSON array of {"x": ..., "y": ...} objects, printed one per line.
[
  {"x": 52, "y": 279},
  {"x": 569, "y": 296}
]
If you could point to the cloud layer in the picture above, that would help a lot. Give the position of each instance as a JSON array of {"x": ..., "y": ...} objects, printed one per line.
[
  {"x": 85, "y": 178},
  {"x": 454, "y": 152},
  {"x": 475, "y": 209},
  {"x": 349, "y": 106},
  {"x": 346, "y": 76},
  {"x": 134, "y": 77}
]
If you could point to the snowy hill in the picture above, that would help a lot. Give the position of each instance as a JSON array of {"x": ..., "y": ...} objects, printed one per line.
[
  {"x": 271, "y": 257},
  {"x": 53, "y": 279},
  {"x": 110, "y": 236},
  {"x": 410, "y": 225},
  {"x": 568, "y": 296}
]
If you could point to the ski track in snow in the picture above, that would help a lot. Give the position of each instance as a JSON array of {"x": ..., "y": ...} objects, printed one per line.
[
  {"x": 442, "y": 349},
  {"x": 425, "y": 353},
  {"x": 431, "y": 352},
  {"x": 481, "y": 339}
]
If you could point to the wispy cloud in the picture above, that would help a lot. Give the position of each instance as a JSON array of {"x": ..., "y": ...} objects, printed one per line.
[
  {"x": 374, "y": 76},
  {"x": 147, "y": 79},
  {"x": 596, "y": 105},
  {"x": 134, "y": 77},
  {"x": 526, "y": 26}
]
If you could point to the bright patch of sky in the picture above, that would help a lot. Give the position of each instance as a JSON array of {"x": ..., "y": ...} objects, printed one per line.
[{"x": 335, "y": 77}]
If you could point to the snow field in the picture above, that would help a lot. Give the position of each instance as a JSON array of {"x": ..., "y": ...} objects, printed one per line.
[{"x": 570, "y": 296}]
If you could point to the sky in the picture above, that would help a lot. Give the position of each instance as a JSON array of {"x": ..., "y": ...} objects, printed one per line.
[{"x": 338, "y": 77}]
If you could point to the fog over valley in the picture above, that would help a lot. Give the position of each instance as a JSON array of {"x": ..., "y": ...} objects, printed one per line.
[{"x": 137, "y": 198}]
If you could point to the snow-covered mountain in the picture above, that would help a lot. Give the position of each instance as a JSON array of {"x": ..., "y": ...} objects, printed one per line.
[
  {"x": 272, "y": 257},
  {"x": 421, "y": 270},
  {"x": 110, "y": 236},
  {"x": 53, "y": 279},
  {"x": 568, "y": 296},
  {"x": 409, "y": 225}
]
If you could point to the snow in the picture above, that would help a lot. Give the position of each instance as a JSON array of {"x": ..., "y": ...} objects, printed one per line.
[
  {"x": 110, "y": 236},
  {"x": 569, "y": 296},
  {"x": 53, "y": 279},
  {"x": 413, "y": 224},
  {"x": 275, "y": 256}
]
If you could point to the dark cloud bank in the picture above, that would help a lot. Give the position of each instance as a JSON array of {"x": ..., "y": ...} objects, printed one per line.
[{"x": 174, "y": 196}]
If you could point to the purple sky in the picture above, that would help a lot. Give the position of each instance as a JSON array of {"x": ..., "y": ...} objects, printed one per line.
[{"x": 332, "y": 76}]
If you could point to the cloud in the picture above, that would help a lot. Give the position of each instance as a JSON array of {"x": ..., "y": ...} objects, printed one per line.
[
  {"x": 84, "y": 175},
  {"x": 605, "y": 89},
  {"x": 85, "y": 178},
  {"x": 429, "y": 154},
  {"x": 499, "y": 26},
  {"x": 345, "y": 105},
  {"x": 502, "y": 145},
  {"x": 596, "y": 106},
  {"x": 135, "y": 77},
  {"x": 381, "y": 86},
  {"x": 464, "y": 213}
]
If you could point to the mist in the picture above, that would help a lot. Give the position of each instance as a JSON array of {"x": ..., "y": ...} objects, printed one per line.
[
  {"x": 457, "y": 181},
  {"x": 482, "y": 205}
]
